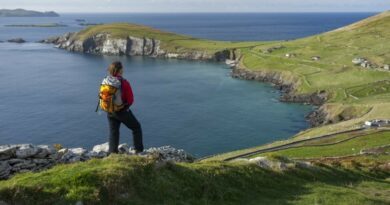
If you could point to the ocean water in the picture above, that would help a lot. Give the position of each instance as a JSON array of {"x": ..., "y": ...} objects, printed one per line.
[{"x": 49, "y": 95}]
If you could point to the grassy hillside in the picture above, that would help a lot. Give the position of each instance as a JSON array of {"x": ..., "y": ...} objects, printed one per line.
[
  {"x": 171, "y": 42},
  {"x": 355, "y": 91},
  {"x": 134, "y": 180}
]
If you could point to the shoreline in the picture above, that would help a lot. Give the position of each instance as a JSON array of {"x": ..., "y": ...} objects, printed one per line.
[{"x": 104, "y": 44}]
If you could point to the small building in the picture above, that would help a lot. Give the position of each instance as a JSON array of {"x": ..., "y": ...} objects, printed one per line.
[
  {"x": 315, "y": 58},
  {"x": 366, "y": 64},
  {"x": 358, "y": 61}
]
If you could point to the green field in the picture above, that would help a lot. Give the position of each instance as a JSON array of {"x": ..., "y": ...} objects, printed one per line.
[{"x": 134, "y": 180}]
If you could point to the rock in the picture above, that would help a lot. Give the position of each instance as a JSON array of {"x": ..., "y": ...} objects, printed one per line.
[
  {"x": 303, "y": 164},
  {"x": 16, "y": 40},
  {"x": 26, "y": 150},
  {"x": 123, "y": 148},
  {"x": 27, "y": 157},
  {"x": 5, "y": 170},
  {"x": 73, "y": 155},
  {"x": 45, "y": 150},
  {"x": 103, "y": 43},
  {"x": 78, "y": 151},
  {"x": 168, "y": 153},
  {"x": 7, "y": 151},
  {"x": 25, "y": 165},
  {"x": 101, "y": 148},
  {"x": 93, "y": 154},
  {"x": 266, "y": 163},
  {"x": 15, "y": 161},
  {"x": 262, "y": 162}
]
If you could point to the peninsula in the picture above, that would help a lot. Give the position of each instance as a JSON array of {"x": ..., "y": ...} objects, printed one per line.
[
  {"x": 343, "y": 159},
  {"x": 26, "y": 13}
]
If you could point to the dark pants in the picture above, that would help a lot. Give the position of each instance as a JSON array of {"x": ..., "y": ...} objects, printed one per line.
[{"x": 127, "y": 118}]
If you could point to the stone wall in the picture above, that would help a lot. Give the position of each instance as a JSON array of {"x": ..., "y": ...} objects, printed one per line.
[{"x": 27, "y": 157}]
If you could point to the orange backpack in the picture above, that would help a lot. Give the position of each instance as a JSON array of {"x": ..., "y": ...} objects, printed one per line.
[{"x": 110, "y": 95}]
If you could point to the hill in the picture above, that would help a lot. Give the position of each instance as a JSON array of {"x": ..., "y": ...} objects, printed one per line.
[
  {"x": 26, "y": 13},
  {"x": 135, "y": 180},
  {"x": 347, "y": 163}
]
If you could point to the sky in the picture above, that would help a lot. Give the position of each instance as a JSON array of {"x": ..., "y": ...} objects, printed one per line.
[{"x": 166, "y": 6}]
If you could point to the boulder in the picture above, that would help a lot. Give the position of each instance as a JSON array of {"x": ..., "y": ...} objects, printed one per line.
[
  {"x": 93, "y": 154},
  {"x": 168, "y": 153},
  {"x": 78, "y": 151},
  {"x": 26, "y": 150},
  {"x": 45, "y": 150},
  {"x": 261, "y": 162},
  {"x": 16, "y": 40},
  {"x": 5, "y": 170},
  {"x": 15, "y": 161},
  {"x": 7, "y": 151},
  {"x": 123, "y": 148},
  {"x": 25, "y": 165},
  {"x": 101, "y": 148},
  {"x": 73, "y": 155}
]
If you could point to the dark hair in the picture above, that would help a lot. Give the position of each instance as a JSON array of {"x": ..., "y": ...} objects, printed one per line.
[{"x": 115, "y": 68}]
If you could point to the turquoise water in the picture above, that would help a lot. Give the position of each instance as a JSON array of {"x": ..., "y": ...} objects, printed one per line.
[{"x": 49, "y": 95}]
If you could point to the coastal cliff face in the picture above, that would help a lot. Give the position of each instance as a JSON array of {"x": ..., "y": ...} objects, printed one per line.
[
  {"x": 288, "y": 90},
  {"x": 104, "y": 44}
]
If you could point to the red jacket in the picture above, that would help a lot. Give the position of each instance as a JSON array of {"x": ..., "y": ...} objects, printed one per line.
[{"x": 127, "y": 92}]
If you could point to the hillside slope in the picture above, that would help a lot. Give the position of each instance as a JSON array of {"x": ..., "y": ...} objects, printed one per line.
[{"x": 134, "y": 180}]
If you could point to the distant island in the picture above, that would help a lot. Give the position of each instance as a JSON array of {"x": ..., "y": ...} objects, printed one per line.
[
  {"x": 37, "y": 25},
  {"x": 26, "y": 13}
]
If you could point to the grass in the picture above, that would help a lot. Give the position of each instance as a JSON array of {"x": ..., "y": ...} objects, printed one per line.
[
  {"x": 350, "y": 147},
  {"x": 134, "y": 180},
  {"x": 170, "y": 42}
]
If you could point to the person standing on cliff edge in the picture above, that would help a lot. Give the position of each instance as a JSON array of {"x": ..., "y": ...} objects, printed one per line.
[{"x": 116, "y": 97}]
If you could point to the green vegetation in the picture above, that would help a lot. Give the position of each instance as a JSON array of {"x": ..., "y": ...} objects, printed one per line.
[
  {"x": 331, "y": 147},
  {"x": 133, "y": 180},
  {"x": 169, "y": 41},
  {"x": 355, "y": 92}
]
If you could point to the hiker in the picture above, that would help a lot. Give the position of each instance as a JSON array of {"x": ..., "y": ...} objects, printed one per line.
[{"x": 116, "y": 97}]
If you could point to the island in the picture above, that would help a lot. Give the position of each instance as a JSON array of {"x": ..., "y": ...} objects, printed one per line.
[
  {"x": 26, "y": 13},
  {"x": 37, "y": 25},
  {"x": 342, "y": 159}
]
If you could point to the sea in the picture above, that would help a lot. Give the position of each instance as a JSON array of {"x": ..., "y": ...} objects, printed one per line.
[{"x": 49, "y": 96}]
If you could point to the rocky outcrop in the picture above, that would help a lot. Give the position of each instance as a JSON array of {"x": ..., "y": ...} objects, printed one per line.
[
  {"x": 16, "y": 40},
  {"x": 105, "y": 44},
  {"x": 288, "y": 91},
  {"x": 276, "y": 164},
  {"x": 27, "y": 157}
]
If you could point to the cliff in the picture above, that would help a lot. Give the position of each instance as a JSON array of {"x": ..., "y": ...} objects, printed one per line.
[
  {"x": 26, "y": 13},
  {"x": 105, "y": 44}
]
